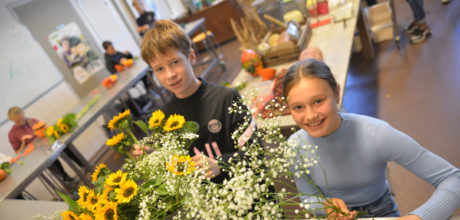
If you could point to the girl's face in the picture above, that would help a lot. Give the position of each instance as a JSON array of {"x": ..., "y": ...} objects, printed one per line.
[{"x": 313, "y": 106}]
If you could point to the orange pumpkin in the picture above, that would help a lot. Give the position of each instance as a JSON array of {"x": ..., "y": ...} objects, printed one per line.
[
  {"x": 128, "y": 62},
  {"x": 119, "y": 68},
  {"x": 39, "y": 129},
  {"x": 251, "y": 61},
  {"x": 267, "y": 73},
  {"x": 109, "y": 81},
  {"x": 2, "y": 174}
]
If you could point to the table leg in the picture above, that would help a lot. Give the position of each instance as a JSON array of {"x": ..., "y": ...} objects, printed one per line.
[
  {"x": 368, "y": 49},
  {"x": 88, "y": 166},
  {"x": 396, "y": 36},
  {"x": 76, "y": 169}
]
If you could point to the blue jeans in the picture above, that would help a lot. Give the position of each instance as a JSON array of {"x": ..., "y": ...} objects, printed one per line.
[
  {"x": 417, "y": 9},
  {"x": 383, "y": 207}
]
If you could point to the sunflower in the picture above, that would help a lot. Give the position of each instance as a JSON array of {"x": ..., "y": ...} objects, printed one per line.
[
  {"x": 116, "y": 179},
  {"x": 108, "y": 212},
  {"x": 83, "y": 192},
  {"x": 92, "y": 200},
  {"x": 84, "y": 216},
  {"x": 64, "y": 128},
  {"x": 50, "y": 131},
  {"x": 97, "y": 171},
  {"x": 59, "y": 122},
  {"x": 107, "y": 190},
  {"x": 174, "y": 122},
  {"x": 181, "y": 165},
  {"x": 69, "y": 215},
  {"x": 126, "y": 192},
  {"x": 156, "y": 119},
  {"x": 112, "y": 123},
  {"x": 115, "y": 139}
]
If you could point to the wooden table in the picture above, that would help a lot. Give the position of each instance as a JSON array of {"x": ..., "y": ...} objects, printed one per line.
[
  {"x": 335, "y": 41},
  {"x": 44, "y": 155},
  {"x": 29, "y": 209}
]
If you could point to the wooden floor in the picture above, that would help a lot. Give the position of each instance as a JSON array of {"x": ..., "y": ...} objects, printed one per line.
[{"x": 416, "y": 89}]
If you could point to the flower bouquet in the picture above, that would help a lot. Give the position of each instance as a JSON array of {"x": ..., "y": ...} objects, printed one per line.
[
  {"x": 171, "y": 185},
  {"x": 64, "y": 125},
  {"x": 114, "y": 196}
]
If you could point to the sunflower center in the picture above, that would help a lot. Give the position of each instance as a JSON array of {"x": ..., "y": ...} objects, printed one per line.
[
  {"x": 109, "y": 214},
  {"x": 117, "y": 180},
  {"x": 156, "y": 121},
  {"x": 128, "y": 192},
  {"x": 181, "y": 166},
  {"x": 93, "y": 200},
  {"x": 174, "y": 124},
  {"x": 72, "y": 217}
]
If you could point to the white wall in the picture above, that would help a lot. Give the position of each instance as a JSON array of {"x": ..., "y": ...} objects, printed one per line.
[{"x": 48, "y": 108}]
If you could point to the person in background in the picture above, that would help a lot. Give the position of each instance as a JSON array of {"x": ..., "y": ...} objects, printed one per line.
[
  {"x": 22, "y": 134},
  {"x": 113, "y": 57},
  {"x": 146, "y": 18},
  {"x": 418, "y": 30},
  {"x": 353, "y": 151}
]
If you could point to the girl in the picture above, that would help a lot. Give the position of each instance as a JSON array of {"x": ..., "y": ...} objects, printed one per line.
[{"x": 354, "y": 151}]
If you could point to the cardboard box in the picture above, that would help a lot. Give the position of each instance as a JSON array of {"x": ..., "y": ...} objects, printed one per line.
[
  {"x": 382, "y": 32},
  {"x": 379, "y": 14}
]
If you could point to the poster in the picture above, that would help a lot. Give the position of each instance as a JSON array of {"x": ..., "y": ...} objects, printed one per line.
[{"x": 73, "y": 49}]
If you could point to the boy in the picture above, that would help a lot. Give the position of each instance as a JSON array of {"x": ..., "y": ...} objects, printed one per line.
[
  {"x": 113, "y": 57},
  {"x": 22, "y": 134},
  {"x": 168, "y": 51}
]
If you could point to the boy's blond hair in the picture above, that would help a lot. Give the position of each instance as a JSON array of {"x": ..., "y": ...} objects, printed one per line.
[
  {"x": 163, "y": 36},
  {"x": 15, "y": 110}
]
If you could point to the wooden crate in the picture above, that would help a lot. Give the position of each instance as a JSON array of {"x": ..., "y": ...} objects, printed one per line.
[{"x": 287, "y": 51}]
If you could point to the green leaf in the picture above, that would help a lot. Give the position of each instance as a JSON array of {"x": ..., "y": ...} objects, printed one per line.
[
  {"x": 7, "y": 170},
  {"x": 161, "y": 190},
  {"x": 141, "y": 124},
  {"x": 190, "y": 127},
  {"x": 20, "y": 163},
  {"x": 5, "y": 165},
  {"x": 73, "y": 206}
]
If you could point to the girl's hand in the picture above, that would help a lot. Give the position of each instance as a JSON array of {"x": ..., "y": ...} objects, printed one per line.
[
  {"x": 345, "y": 214},
  {"x": 210, "y": 166}
]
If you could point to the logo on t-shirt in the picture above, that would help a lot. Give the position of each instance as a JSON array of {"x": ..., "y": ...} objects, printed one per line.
[{"x": 214, "y": 126}]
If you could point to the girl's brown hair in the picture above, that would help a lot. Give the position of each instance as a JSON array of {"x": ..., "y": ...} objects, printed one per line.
[
  {"x": 163, "y": 36},
  {"x": 308, "y": 68}
]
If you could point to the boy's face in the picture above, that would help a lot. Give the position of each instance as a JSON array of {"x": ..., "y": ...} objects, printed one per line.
[
  {"x": 18, "y": 118},
  {"x": 175, "y": 72},
  {"x": 110, "y": 50}
]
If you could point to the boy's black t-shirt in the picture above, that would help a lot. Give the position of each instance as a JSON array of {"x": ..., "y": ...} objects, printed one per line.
[{"x": 208, "y": 106}]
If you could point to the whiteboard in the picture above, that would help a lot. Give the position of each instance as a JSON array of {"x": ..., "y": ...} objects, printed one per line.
[{"x": 26, "y": 71}]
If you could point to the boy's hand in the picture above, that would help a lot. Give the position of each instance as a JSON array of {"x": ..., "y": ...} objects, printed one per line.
[
  {"x": 26, "y": 137},
  {"x": 138, "y": 150},
  {"x": 339, "y": 203},
  {"x": 210, "y": 166}
]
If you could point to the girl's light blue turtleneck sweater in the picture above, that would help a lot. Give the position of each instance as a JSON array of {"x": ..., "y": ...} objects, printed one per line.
[{"x": 355, "y": 158}]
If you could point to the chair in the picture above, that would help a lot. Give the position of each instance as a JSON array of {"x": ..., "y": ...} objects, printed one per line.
[{"x": 208, "y": 40}]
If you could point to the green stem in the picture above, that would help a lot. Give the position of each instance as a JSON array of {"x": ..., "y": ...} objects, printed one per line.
[{"x": 128, "y": 130}]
